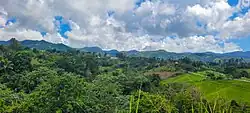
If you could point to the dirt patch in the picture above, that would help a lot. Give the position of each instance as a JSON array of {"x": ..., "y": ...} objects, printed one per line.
[{"x": 163, "y": 75}]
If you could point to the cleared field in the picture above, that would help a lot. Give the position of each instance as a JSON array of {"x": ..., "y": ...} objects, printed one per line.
[
  {"x": 162, "y": 75},
  {"x": 186, "y": 78},
  {"x": 228, "y": 89}
]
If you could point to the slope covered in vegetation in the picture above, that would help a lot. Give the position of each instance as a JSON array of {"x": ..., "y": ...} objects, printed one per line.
[
  {"x": 39, "y": 81},
  {"x": 214, "y": 89}
]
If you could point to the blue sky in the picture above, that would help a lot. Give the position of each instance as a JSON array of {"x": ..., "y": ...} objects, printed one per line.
[
  {"x": 243, "y": 42},
  {"x": 172, "y": 25},
  {"x": 62, "y": 26},
  {"x": 233, "y": 2}
]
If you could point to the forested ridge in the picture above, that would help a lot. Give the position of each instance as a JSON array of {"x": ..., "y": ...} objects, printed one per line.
[{"x": 49, "y": 81}]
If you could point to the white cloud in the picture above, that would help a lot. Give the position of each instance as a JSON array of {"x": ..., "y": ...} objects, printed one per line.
[
  {"x": 147, "y": 27},
  {"x": 214, "y": 15},
  {"x": 3, "y": 15},
  {"x": 2, "y": 21},
  {"x": 239, "y": 27},
  {"x": 22, "y": 34}
]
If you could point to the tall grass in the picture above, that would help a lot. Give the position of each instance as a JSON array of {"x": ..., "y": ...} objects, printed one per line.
[
  {"x": 184, "y": 101},
  {"x": 200, "y": 106},
  {"x": 138, "y": 102},
  {"x": 131, "y": 103}
]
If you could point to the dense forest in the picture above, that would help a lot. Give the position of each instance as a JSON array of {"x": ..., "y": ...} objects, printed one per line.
[{"x": 49, "y": 81}]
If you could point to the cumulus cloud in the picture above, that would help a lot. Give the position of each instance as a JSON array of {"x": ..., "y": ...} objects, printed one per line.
[
  {"x": 2, "y": 22},
  {"x": 172, "y": 25},
  {"x": 3, "y": 15},
  {"x": 216, "y": 18},
  {"x": 239, "y": 27},
  {"x": 20, "y": 35}
]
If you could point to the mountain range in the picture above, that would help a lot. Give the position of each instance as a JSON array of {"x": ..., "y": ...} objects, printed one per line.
[
  {"x": 207, "y": 56},
  {"x": 41, "y": 45}
]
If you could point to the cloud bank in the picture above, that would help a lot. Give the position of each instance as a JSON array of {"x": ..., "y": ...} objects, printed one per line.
[{"x": 172, "y": 25}]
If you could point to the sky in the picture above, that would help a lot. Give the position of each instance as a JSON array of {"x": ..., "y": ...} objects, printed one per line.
[{"x": 173, "y": 25}]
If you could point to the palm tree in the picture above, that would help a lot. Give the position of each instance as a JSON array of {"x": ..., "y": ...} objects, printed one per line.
[{"x": 5, "y": 65}]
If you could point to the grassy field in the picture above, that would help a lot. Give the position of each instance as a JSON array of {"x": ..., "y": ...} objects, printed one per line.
[
  {"x": 186, "y": 78},
  {"x": 238, "y": 90},
  {"x": 227, "y": 89}
]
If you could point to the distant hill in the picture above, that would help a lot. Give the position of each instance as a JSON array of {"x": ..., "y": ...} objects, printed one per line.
[
  {"x": 99, "y": 50},
  {"x": 41, "y": 45},
  {"x": 207, "y": 56},
  {"x": 4, "y": 42},
  {"x": 132, "y": 52},
  {"x": 239, "y": 54},
  {"x": 112, "y": 52},
  {"x": 92, "y": 49}
]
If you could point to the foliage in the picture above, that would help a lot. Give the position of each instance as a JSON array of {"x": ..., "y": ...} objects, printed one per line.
[
  {"x": 48, "y": 81},
  {"x": 215, "y": 88},
  {"x": 59, "y": 94},
  {"x": 9, "y": 100}
]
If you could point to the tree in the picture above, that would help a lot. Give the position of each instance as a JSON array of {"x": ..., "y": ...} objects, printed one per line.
[
  {"x": 151, "y": 103},
  {"x": 244, "y": 74},
  {"x": 9, "y": 101},
  {"x": 186, "y": 60},
  {"x": 5, "y": 65},
  {"x": 66, "y": 63},
  {"x": 31, "y": 80},
  {"x": 104, "y": 95},
  {"x": 120, "y": 55},
  {"x": 65, "y": 93},
  {"x": 229, "y": 70},
  {"x": 15, "y": 45},
  {"x": 91, "y": 63},
  {"x": 22, "y": 61},
  {"x": 188, "y": 67},
  {"x": 211, "y": 75}
]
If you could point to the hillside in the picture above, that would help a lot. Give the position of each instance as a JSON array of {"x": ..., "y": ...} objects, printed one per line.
[
  {"x": 207, "y": 56},
  {"x": 35, "y": 81},
  {"x": 41, "y": 45},
  {"x": 227, "y": 89},
  {"x": 99, "y": 50}
]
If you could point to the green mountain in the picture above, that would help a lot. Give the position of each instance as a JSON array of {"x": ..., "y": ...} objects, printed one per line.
[
  {"x": 92, "y": 49},
  {"x": 207, "y": 56},
  {"x": 99, "y": 50},
  {"x": 41, "y": 45}
]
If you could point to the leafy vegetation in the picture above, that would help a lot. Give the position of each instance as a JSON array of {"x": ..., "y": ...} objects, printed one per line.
[
  {"x": 162, "y": 54},
  {"x": 49, "y": 81},
  {"x": 213, "y": 89},
  {"x": 227, "y": 89}
]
